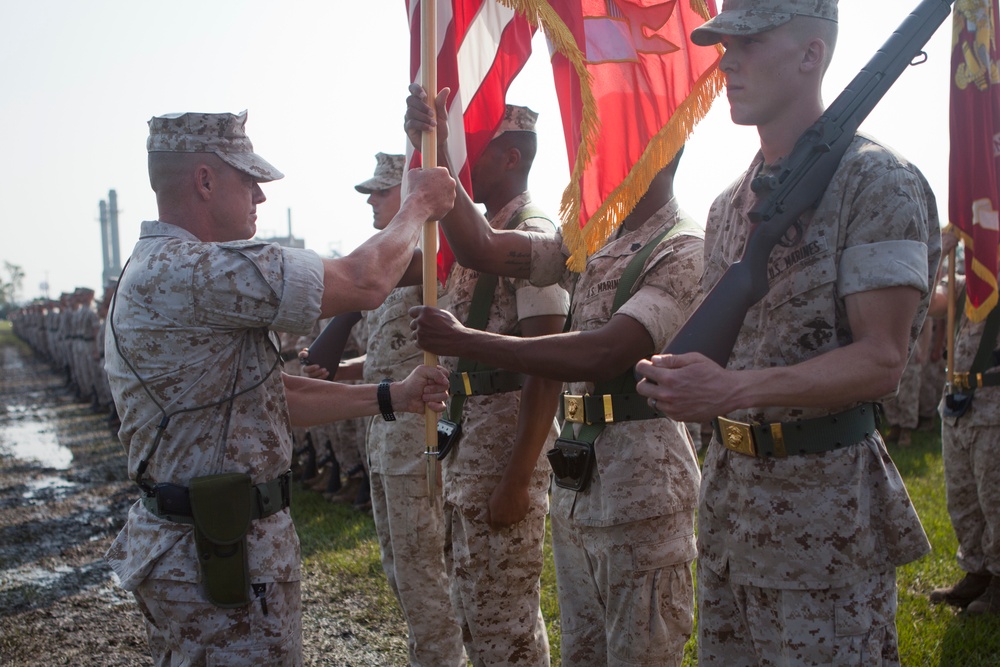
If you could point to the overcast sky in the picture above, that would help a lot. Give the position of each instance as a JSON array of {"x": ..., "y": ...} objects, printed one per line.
[{"x": 325, "y": 84}]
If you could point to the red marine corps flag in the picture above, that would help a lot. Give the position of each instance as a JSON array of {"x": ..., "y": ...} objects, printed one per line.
[
  {"x": 631, "y": 88},
  {"x": 482, "y": 45},
  {"x": 974, "y": 189}
]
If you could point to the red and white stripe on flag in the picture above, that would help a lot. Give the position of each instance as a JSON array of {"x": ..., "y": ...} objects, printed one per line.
[{"x": 482, "y": 45}]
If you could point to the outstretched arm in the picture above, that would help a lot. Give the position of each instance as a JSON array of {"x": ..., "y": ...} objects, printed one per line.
[
  {"x": 312, "y": 402},
  {"x": 576, "y": 356},
  {"x": 476, "y": 245}
]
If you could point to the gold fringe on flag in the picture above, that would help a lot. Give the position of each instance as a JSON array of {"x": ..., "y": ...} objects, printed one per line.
[{"x": 582, "y": 241}]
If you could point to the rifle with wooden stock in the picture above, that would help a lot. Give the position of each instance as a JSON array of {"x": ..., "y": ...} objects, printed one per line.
[{"x": 803, "y": 177}]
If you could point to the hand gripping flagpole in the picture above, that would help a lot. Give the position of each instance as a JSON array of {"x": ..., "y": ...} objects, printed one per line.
[{"x": 428, "y": 150}]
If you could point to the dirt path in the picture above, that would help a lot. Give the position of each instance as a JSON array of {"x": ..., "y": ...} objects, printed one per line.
[{"x": 63, "y": 493}]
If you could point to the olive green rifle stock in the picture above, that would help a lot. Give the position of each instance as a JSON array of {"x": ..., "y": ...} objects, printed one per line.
[{"x": 804, "y": 175}]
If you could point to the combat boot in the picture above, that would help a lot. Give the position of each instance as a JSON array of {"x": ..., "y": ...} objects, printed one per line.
[
  {"x": 363, "y": 500},
  {"x": 962, "y": 594},
  {"x": 988, "y": 602},
  {"x": 349, "y": 491}
]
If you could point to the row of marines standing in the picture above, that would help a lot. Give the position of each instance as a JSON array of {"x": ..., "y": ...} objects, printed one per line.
[{"x": 802, "y": 517}]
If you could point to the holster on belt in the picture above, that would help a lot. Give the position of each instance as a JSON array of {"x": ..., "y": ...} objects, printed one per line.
[
  {"x": 571, "y": 462},
  {"x": 221, "y": 506}
]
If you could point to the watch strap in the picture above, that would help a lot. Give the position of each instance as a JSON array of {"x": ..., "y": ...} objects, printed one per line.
[{"x": 385, "y": 400}]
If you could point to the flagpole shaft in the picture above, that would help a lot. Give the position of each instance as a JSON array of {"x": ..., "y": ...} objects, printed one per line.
[
  {"x": 428, "y": 150},
  {"x": 950, "y": 339}
]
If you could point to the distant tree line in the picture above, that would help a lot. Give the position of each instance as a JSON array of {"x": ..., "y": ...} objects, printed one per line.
[{"x": 10, "y": 287}]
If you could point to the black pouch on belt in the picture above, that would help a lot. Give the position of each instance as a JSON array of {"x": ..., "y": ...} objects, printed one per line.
[
  {"x": 448, "y": 434},
  {"x": 221, "y": 507},
  {"x": 571, "y": 461},
  {"x": 955, "y": 405}
]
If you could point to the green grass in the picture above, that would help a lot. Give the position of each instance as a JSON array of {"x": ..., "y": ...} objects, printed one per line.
[
  {"x": 7, "y": 336},
  {"x": 340, "y": 544}
]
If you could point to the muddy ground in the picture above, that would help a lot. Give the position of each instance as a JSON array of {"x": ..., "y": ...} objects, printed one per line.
[{"x": 64, "y": 494}]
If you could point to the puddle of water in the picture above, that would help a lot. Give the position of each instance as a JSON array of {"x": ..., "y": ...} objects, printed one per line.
[
  {"x": 34, "y": 441},
  {"x": 35, "y": 576},
  {"x": 40, "y": 486}
]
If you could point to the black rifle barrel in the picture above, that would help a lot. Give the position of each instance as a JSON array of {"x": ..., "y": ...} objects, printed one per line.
[
  {"x": 782, "y": 197},
  {"x": 328, "y": 348}
]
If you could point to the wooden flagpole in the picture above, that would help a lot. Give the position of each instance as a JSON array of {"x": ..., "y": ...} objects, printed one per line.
[
  {"x": 428, "y": 150},
  {"x": 950, "y": 323}
]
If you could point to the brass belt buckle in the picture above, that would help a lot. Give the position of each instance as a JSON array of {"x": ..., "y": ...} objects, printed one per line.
[
  {"x": 573, "y": 408},
  {"x": 737, "y": 437}
]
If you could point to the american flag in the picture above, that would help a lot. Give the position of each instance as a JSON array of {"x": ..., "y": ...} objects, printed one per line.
[{"x": 482, "y": 45}]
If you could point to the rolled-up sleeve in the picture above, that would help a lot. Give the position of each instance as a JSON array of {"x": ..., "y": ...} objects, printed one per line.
[
  {"x": 548, "y": 258},
  {"x": 303, "y": 291},
  {"x": 895, "y": 263}
]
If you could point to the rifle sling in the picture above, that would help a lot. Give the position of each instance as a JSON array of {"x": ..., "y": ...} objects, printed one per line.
[{"x": 472, "y": 377}]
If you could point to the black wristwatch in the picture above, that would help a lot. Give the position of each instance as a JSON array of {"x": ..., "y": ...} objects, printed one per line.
[{"x": 385, "y": 400}]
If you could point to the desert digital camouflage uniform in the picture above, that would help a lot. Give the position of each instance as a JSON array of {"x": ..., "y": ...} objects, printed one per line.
[
  {"x": 344, "y": 439},
  {"x": 220, "y": 299},
  {"x": 52, "y": 320},
  {"x": 88, "y": 324},
  {"x": 73, "y": 338},
  {"x": 495, "y": 581},
  {"x": 347, "y": 436},
  {"x": 64, "y": 335},
  {"x": 971, "y": 445},
  {"x": 104, "y": 396},
  {"x": 933, "y": 372},
  {"x": 826, "y": 526},
  {"x": 903, "y": 409},
  {"x": 410, "y": 524},
  {"x": 289, "y": 345},
  {"x": 623, "y": 548},
  {"x": 77, "y": 347}
]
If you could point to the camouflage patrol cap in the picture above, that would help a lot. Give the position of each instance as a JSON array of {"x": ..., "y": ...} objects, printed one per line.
[
  {"x": 749, "y": 17},
  {"x": 223, "y": 134},
  {"x": 388, "y": 173},
  {"x": 516, "y": 118}
]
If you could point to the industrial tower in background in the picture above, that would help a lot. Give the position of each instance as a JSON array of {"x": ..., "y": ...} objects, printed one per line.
[{"x": 110, "y": 253}]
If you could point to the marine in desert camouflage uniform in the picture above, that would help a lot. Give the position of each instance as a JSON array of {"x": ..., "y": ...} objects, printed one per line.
[
  {"x": 495, "y": 480},
  {"x": 194, "y": 368},
  {"x": 409, "y": 522},
  {"x": 799, "y": 535},
  {"x": 970, "y": 446},
  {"x": 623, "y": 547}
]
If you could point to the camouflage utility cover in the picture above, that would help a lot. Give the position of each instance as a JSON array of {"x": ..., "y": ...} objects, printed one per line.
[
  {"x": 749, "y": 17},
  {"x": 388, "y": 173},
  {"x": 223, "y": 134},
  {"x": 516, "y": 119}
]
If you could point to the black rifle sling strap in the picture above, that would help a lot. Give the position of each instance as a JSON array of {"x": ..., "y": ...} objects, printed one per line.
[
  {"x": 479, "y": 312},
  {"x": 985, "y": 357},
  {"x": 625, "y": 383}
]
